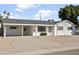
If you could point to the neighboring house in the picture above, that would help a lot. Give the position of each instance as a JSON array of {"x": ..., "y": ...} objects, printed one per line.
[
  {"x": 65, "y": 28},
  {"x": 20, "y": 27}
]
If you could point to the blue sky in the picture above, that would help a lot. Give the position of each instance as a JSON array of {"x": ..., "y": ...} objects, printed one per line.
[{"x": 32, "y": 11}]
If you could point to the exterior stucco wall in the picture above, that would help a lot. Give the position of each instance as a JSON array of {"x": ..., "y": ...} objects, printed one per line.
[
  {"x": 36, "y": 33},
  {"x": 65, "y": 31}
]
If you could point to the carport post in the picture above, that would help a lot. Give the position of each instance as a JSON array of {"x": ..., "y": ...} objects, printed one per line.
[
  {"x": 4, "y": 31},
  {"x": 47, "y": 29},
  {"x": 22, "y": 31}
]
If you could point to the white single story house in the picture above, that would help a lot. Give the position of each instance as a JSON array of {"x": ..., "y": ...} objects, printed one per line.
[{"x": 20, "y": 27}]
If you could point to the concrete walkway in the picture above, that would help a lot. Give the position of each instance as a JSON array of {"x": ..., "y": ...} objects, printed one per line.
[{"x": 37, "y": 45}]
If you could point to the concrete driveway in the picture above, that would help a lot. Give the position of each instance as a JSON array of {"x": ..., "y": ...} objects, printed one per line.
[{"x": 37, "y": 45}]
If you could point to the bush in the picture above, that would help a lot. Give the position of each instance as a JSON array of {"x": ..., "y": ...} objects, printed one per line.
[{"x": 43, "y": 34}]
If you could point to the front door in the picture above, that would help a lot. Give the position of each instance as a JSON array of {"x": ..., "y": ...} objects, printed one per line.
[{"x": 27, "y": 31}]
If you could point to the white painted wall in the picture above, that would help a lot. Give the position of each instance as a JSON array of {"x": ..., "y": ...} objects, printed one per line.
[
  {"x": 65, "y": 31},
  {"x": 36, "y": 33}
]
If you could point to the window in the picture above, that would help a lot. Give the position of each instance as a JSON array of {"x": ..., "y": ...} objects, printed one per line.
[
  {"x": 13, "y": 27},
  {"x": 69, "y": 28},
  {"x": 41, "y": 28},
  {"x": 59, "y": 27}
]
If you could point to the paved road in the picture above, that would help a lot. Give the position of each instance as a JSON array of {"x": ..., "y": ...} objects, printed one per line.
[
  {"x": 70, "y": 52},
  {"x": 13, "y": 45}
]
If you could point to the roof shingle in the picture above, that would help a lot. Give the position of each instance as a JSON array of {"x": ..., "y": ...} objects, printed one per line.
[{"x": 22, "y": 21}]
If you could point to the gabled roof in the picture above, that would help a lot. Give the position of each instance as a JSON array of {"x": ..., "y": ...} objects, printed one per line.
[
  {"x": 24, "y": 21},
  {"x": 65, "y": 21}
]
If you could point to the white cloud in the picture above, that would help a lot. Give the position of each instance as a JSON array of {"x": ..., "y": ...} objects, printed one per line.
[
  {"x": 16, "y": 16},
  {"x": 45, "y": 14},
  {"x": 22, "y": 7},
  {"x": 19, "y": 10},
  {"x": 13, "y": 16},
  {"x": 25, "y": 6}
]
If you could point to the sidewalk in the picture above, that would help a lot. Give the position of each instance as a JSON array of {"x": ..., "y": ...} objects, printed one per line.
[{"x": 47, "y": 51}]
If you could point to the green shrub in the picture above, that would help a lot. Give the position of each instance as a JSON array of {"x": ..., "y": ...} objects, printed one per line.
[{"x": 43, "y": 34}]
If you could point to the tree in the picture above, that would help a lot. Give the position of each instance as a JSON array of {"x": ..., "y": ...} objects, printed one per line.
[
  {"x": 6, "y": 14},
  {"x": 1, "y": 16},
  {"x": 69, "y": 13}
]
